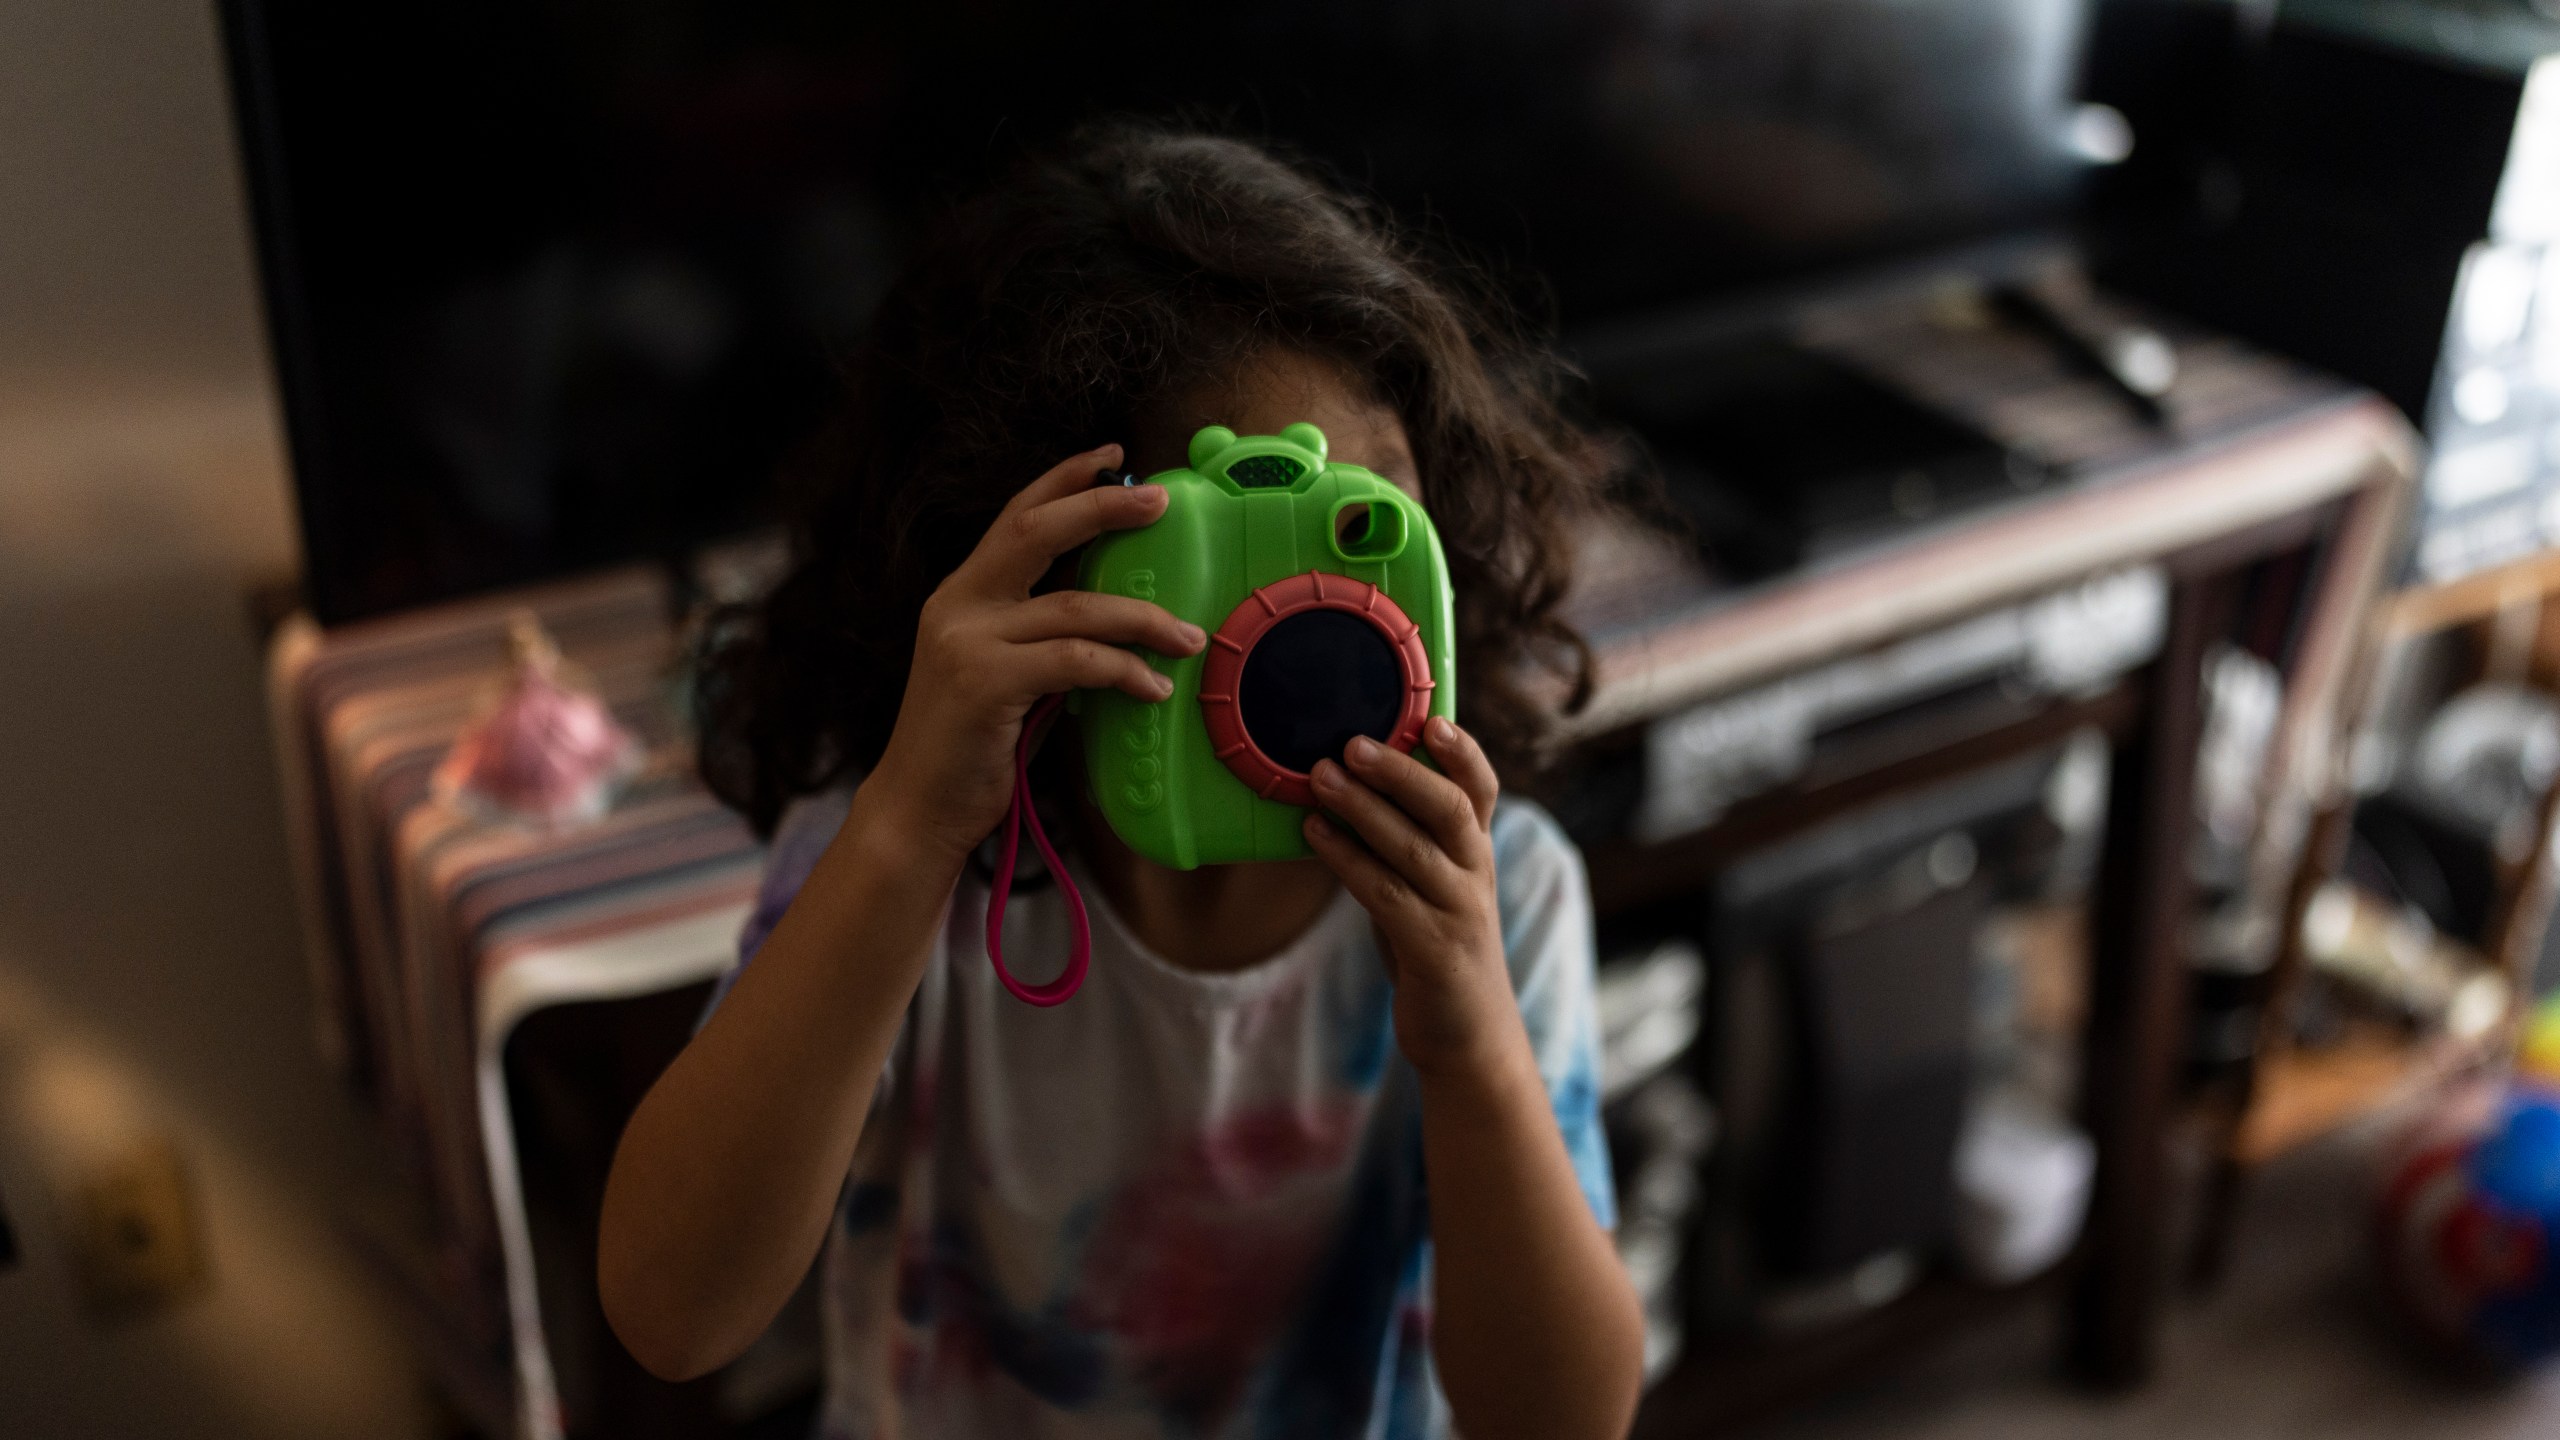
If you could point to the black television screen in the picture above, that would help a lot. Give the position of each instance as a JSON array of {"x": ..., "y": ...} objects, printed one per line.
[{"x": 555, "y": 284}]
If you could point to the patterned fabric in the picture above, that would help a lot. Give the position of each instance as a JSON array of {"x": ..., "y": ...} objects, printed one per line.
[{"x": 1180, "y": 1205}]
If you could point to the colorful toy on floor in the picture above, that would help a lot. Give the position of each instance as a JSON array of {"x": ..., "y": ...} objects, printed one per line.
[
  {"x": 2468, "y": 1226},
  {"x": 2538, "y": 1059}
]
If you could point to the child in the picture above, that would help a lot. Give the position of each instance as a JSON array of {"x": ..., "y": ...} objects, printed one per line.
[{"x": 1317, "y": 1143}]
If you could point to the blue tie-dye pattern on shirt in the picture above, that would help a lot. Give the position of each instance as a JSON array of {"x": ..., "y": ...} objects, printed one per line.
[
  {"x": 928, "y": 1323},
  {"x": 1370, "y": 1037}
]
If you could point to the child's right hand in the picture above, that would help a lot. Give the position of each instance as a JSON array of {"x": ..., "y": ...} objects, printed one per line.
[{"x": 987, "y": 650}]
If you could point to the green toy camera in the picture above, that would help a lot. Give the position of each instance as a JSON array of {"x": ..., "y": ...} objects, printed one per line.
[{"x": 1327, "y": 603}]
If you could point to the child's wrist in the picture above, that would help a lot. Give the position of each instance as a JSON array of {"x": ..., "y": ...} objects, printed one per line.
[
  {"x": 1487, "y": 1074},
  {"x": 898, "y": 827}
]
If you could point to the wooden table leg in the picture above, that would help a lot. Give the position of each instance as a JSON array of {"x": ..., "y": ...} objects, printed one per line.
[
  {"x": 2137, "y": 1001},
  {"x": 2523, "y": 910},
  {"x": 2218, "y": 1214}
]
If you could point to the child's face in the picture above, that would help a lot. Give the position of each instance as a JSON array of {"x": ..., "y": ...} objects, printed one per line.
[{"x": 1281, "y": 387}]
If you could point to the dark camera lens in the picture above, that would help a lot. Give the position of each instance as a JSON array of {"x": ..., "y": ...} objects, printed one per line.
[{"x": 1313, "y": 681}]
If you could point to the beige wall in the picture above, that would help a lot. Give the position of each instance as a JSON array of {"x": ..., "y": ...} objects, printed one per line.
[
  {"x": 150, "y": 970},
  {"x": 121, "y": 240}
]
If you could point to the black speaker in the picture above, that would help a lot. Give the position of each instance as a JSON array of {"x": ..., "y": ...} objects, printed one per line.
[
  {"x": 1882, "y": 1007},
  {"x": 1838, "y": 1036}
]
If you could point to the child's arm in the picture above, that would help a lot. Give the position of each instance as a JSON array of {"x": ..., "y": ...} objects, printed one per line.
[
  {"x": 722, "y": 1186},
  {"x": 1534, "y": 1327}
]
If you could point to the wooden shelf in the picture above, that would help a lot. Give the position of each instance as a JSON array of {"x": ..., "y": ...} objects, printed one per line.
[
  {"x": 2302, "y": 1095},
  {"x": 1723, "y": 1384},
  {"x": 2424, "y": 609},
  {"x": 1626, "y": 874}
]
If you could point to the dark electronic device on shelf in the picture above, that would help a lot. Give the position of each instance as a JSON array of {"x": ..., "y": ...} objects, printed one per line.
[
  {"x": 1780, "y": 456},
  {"x": 552, "y": 287},
  {"x": 1837, "y": 1048}
]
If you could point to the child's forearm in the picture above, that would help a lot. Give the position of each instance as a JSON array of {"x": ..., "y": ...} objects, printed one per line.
[
  {"x": 726, "y": 1177},
  {"x": 1534, "y": 1328}
]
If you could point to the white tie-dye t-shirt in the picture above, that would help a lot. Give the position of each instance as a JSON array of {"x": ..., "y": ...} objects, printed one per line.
[{"x": 1178, "y": 1205}]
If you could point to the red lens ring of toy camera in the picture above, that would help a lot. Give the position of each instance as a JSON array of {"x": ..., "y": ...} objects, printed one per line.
[{"x": 1222, "y": 673}]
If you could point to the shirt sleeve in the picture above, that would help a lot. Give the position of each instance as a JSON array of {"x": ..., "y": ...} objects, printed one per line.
[
  {"x": 807, "y": 828},
  {"x": 1545, "y": 898}
]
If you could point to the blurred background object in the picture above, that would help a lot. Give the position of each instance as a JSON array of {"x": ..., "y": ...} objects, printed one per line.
[
  {"x": 2010, "y": 795},
  {"x": 2404, "y": 152},
  {"x": 544, "y": 749},
  {"x": 2466, "y": 1225},
  {"x": 554, "y": 286}
]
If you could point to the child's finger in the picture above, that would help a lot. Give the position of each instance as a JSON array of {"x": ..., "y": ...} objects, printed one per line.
[
  {"x": 1019, "y": 547},
  {"x": 1380, "y": 891},
  {"x": 1115, "y": 619},
  {"x": 1432, "y": 800},
  {"x": 1049, "y": 666},
  {"x": 1390, "y": 834},
  {"x": 1463, "y": 760},
  {"x": 1065, "y": 478},
  {"x": 1068, "y": 477}
]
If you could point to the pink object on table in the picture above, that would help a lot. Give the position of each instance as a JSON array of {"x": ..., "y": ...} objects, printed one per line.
[{"x": 545, "y": 750}]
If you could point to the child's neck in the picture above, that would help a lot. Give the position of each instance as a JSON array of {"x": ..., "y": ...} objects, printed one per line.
[{"x": 1217, "y": 918}]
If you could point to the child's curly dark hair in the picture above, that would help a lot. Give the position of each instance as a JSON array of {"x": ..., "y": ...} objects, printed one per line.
[{"x": 1039, "y": 321}]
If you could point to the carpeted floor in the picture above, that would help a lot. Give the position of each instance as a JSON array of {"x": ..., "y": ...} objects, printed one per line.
[{"x": 2294, "y": 1345}]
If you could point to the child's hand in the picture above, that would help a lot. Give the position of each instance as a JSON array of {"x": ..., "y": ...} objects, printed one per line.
[
  {"x": 987, "y": 650},
  {"x": 1425, "y": 875}
]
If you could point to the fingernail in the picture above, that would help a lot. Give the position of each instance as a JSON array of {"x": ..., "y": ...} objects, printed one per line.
[
  {"x": 1193, "y": 635},
  {"x": 1328, "y": 775},
  {"x": 1363, "y": 748},
  {"x": 1442, "y": 732},
  {"x": 1317, "y": 828},
  {"x": 1164, "y": 685}
]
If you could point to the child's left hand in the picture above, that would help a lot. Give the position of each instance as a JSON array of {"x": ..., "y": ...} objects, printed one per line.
[{"x": 1425, "y": 875}]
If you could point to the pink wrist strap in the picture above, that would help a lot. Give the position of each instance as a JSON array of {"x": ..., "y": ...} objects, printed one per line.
[{"x": 1017, "y": 814}]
